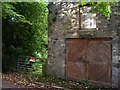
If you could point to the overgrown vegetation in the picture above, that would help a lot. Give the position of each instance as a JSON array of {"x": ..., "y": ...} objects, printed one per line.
[
  {"x": 101, "y": 7},
  {"x": 24, "y": 31}
]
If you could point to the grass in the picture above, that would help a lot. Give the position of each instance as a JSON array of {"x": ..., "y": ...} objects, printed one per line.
[{"x": 38, "y": 71}]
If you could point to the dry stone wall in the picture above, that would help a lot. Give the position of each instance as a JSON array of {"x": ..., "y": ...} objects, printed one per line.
[{"x": 64, "y": 23}]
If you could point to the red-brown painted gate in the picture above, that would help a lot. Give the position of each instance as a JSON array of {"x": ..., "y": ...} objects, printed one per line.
[{"x": 89, "y": 59}]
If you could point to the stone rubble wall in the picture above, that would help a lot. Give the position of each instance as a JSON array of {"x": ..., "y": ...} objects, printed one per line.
[
  {"x": 64, "y": 23},
  {"x": 119, "y": 44}
]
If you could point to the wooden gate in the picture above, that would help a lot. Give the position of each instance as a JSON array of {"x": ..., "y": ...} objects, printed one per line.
[{"x": 89, "y": 59}]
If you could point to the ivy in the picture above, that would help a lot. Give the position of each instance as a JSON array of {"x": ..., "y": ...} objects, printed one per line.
[{"x": 101, "y": 7}]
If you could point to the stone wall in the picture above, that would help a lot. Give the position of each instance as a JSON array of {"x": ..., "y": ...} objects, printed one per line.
[
  {"x": 56, "y": 47},
  {"x": 64, "y": 23},
  {"x": 119, "y": 44}
]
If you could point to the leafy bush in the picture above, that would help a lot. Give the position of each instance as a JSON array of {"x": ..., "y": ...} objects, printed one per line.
[
  {"x": 24, "y": 31},
  {"x": 8, "y": 63}
]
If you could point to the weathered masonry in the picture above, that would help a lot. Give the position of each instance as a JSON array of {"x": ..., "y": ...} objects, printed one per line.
[{"x": 80, "y": 49}]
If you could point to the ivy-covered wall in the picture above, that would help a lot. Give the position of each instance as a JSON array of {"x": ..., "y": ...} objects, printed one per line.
[{"x": 64, "y": 23}]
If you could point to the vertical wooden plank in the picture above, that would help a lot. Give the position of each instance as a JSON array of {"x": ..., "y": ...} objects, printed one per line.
[
  {"x": 99, "y": 61},
  {"x": 76, "y": 49}
]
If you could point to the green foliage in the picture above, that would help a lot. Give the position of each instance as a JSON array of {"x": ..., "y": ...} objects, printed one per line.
[
  {"x": 24, "y": 29},
  {"x": 8, "y": 10},
  {"x": 20, "y": 34},
  {"x": 38, "y": 71},
  {"x": 86, "y": 84},
  {"x": 102, "y": 7},
  {"x": 6, "y": 65},
  {"x": 40, "y": 66}
]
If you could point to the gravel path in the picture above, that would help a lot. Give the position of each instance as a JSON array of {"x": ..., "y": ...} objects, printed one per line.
[
  {"x": 9, "y": 85},
  {"x": 6, "y": 84}
]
